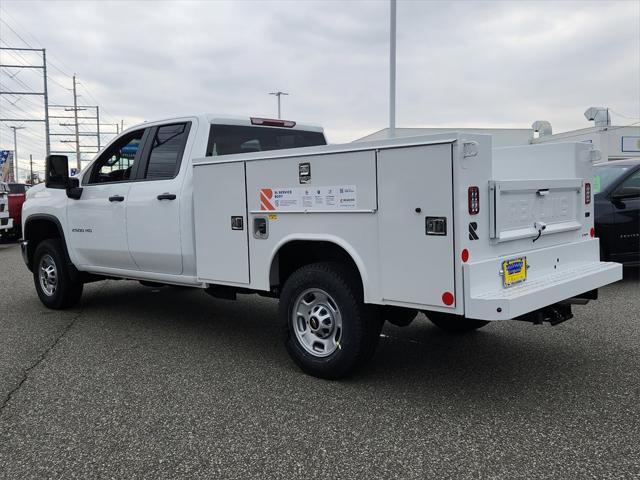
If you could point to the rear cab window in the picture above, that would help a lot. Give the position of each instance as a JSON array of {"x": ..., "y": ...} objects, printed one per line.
[{"x": 232, "y": 139}]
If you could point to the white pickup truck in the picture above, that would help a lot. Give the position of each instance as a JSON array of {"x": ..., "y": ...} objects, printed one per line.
[{"x": 346, "y": 236}]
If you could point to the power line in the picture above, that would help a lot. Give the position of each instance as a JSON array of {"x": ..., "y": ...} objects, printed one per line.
[
  {"x": 39, "y": 43},
  {"x": 16, "y": 54},
  {"x": 44, "y": 92}
]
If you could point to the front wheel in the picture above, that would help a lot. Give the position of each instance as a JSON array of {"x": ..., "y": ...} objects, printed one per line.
[
  {"x": 454, "y": 323},
  {"x": 329, "y": 330},
  {"x": 51, "y": 276}
]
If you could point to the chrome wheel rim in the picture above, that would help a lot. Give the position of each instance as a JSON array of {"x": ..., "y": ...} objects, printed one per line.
[
  {"x": 48, "y": 275},
  {"x": 317, "y": 322}
]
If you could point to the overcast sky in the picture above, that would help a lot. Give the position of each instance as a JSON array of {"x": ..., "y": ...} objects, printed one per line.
[{"x": 460, "y": 63}]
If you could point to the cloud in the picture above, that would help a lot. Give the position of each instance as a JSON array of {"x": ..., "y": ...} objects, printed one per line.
[{"x": 459, "y": 63}]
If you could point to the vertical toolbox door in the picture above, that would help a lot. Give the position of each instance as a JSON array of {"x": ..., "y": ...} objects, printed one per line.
[
  {"x": 415, "y": 186},
  {"x": 220, "y": 210}
]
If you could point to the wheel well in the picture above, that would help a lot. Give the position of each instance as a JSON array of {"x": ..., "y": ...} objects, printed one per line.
[
  {"x": 39, "y": 229},
  {"x": 298, "y": 253}
]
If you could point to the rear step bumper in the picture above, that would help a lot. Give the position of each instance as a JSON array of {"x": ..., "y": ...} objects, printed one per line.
[{"x": 538, "y": 291}]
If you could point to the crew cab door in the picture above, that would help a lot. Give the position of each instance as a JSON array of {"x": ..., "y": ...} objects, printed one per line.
[
  {"x": 154, "y": 201},
  {"x": 96, "y": 222}
]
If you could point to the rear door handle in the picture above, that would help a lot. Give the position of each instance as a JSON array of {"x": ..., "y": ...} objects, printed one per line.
[
  {"x": 167, "y": 196},
  {"x": 116, "y": 198}
]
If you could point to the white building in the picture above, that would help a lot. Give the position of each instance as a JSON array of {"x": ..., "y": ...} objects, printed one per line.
[{"x": 615, "y": 142}]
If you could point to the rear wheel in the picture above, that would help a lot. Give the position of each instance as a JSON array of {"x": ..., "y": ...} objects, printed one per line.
[
  {"x": 398, "y": 316},
  {"x": 454, "y": 323},
  {"x": 329, "y": 331},
  {"x": 51, "y": 276}
]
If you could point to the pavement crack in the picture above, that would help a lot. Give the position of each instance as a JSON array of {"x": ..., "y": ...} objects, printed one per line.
[{"x": 41, "y": 358}]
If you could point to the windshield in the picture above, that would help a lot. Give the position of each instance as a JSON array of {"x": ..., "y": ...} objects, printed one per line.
[
  {"x": 230, "y": 139},
  {"x": 605, "y": 175}
]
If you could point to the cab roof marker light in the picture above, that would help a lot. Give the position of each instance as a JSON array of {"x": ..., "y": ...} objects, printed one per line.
[{"x": 272, "y": 122}]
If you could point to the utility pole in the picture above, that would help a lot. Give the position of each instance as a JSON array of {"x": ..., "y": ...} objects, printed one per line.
[
  {"x": 122, "y": 125},
  {"x": 15, "y": 153},
  {"x": 31, "y": 169},
  {"x": 392, "y": 70},
  {"x": 44, "y": 93},
  {"x": 278, "y": 94},
  {"x": 46, "y": 104},
  {"x": 75, "y": 117}
]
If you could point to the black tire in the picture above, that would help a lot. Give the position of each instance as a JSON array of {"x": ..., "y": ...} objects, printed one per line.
[
  {"x": 398, "y": 316},
  {"x": 454, "y": 323},
  {"x": 66, "y": 292},
  {"x": 360, "y": 324}
]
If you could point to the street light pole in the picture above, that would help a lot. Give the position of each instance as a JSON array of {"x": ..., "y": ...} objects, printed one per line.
[
  {"x": 15, "y": 153},
  {"x": 392, "y": 70},
  {"x": 278, "y": 94}
]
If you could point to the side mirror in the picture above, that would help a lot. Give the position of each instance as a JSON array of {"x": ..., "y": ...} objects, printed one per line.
[
  {"x": 56, "y": 171},
  {"x": 74, "y": 190}
]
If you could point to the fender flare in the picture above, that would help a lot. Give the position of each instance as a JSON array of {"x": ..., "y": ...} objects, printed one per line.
[{"x": 49, "y": 218}]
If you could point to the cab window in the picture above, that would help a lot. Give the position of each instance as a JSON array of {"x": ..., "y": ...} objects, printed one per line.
[
  {"x": 231, "y": 139},
  {"x": 166, "y": 151},
  {"x": 117, "y": 163},
  {"x": 630, "y": 188}
]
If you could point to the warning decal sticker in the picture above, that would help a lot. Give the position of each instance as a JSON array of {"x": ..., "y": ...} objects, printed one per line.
[{"x": 308, "y": 198}]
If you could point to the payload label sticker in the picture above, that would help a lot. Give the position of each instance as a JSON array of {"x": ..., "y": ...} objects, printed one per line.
[{"x": 339, "y": 197}]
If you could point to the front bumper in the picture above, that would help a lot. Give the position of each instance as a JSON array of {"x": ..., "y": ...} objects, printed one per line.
[
  {"x": 576, "y": 271},
  {"x": 6, "y": 223}
]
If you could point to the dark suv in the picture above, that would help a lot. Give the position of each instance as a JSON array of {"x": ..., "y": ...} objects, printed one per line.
[{"x": 616, "y": 186}]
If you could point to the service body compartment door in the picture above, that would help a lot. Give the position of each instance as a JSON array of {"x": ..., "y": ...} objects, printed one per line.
[
  {"x": 415, "y": 187},
  {"x": 220, "y": 212}
]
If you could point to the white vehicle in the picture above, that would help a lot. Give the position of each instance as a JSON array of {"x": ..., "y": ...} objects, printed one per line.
[
  {"x": 346, "y": 236},
  {"x": 6, "y": 223}
]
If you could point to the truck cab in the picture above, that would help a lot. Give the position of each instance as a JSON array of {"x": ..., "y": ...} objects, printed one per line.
[{"x": 135, "y": 214}]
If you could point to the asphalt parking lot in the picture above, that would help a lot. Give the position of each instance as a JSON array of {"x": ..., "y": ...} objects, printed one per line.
[{"x": 168, "y": 383}]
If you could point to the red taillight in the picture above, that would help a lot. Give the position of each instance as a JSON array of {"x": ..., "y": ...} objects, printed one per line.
[
  {"x": 592, "y": 232},
  {"x": 474, "y": 200},
  {"x": 464, "y": 255},
  {"x": 587, "y": 193},
  {"x": 272, "y": 122}
]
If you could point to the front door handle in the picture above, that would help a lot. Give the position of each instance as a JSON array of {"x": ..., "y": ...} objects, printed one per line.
[
  {"x": 116, "y": 198},
  {"x": 167, "y": 196}
]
